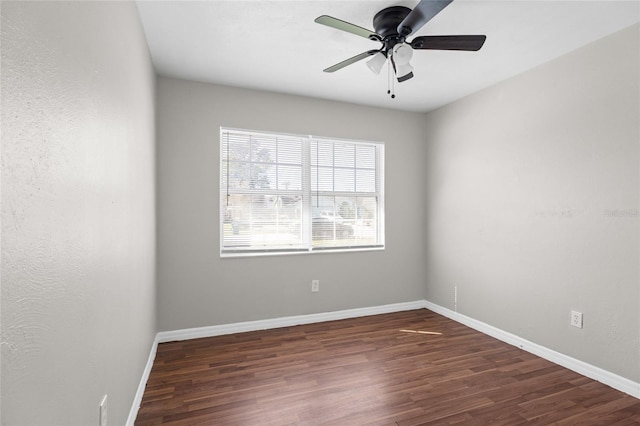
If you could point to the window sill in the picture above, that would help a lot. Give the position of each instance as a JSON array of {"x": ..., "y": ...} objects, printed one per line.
[{"x": 240, "y": 253}]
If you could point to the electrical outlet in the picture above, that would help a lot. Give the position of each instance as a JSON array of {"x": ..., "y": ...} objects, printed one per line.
[
  {"x": 103, "y": 411},
  {"x": 576, "y": 319},
  {"x": 315, "y": 286}
]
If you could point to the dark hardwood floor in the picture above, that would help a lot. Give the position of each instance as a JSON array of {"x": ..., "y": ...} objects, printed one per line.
[{"x": 377, "y": 370}]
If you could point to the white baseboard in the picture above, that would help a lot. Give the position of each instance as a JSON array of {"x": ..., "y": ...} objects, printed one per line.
[
  {"x": 241, "y": 327},
  {"x": 608, "y": 378},
  {"x": 137, "y": 399}
]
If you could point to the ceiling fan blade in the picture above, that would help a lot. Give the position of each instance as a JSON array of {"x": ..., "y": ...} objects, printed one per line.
[
  {"x": 339, "y": 24},
  {"x": 456, "y": 42},
  {"x": 420, "y": 15},
  {"x": 350, "y": 61}
]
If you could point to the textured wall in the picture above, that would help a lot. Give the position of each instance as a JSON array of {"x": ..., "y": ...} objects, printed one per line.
[
  {"x": 198, "y": 288},
  {"x": 533, "y": 197},
  {"x": 78, "y": 243}
]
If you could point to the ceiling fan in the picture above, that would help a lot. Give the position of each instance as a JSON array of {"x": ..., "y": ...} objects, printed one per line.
[{"x": 392, "y": 27}]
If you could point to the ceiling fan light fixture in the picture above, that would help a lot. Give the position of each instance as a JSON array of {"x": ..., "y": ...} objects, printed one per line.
[
  {"x": 404, "y": 72},
  {"x": 402, "y": 54},
  {"x": 376, "y": 63}
]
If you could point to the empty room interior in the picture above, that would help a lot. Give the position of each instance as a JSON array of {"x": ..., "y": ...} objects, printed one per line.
[{"x": 493, "y": 195}]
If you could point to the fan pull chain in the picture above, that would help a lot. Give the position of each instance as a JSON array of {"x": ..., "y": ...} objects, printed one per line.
[
  {"x": 388, "y": 77},
  {"x": 390, "y": 83}
]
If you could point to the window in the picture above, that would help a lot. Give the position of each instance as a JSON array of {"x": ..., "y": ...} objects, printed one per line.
[{"x": 286, "y": 194}]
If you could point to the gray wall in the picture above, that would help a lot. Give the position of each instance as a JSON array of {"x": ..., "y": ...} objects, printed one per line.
[
  {"x": 78, "y": 221},
  {"x": 533, "y": 197},
  {"x": 198, "y": 288}
]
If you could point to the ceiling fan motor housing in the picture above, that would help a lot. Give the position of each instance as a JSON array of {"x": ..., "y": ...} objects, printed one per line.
[
  {"x": 386, "y": 24},
  {"x": 387, "y": 20}
]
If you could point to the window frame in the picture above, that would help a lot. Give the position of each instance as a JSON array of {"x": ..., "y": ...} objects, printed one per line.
[{"x": 309, "y": 193}]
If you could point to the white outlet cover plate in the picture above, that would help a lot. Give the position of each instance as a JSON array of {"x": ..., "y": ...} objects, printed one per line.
[{"x": 576, "y": 319}]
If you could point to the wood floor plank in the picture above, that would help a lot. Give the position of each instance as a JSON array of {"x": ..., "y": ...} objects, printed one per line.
[{"x": 405, "y": 368}]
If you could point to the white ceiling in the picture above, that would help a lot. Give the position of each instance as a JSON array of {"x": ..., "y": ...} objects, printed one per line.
[{"x": 276, "y": 46}]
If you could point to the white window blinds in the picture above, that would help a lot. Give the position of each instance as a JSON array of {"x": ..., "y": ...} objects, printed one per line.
[{"x": 285, "y": 193}]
